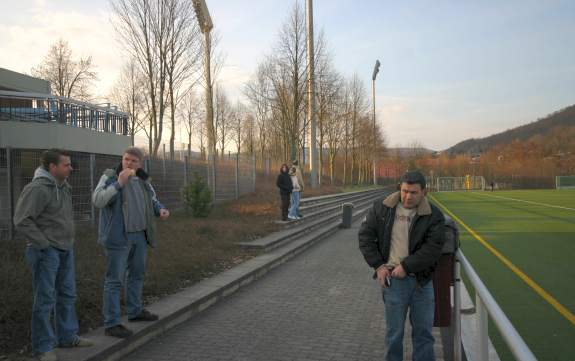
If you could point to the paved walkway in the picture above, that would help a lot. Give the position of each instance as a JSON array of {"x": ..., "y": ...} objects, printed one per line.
[{"x": 320, "y": 305}]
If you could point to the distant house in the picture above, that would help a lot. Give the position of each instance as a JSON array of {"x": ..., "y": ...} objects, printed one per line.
[{"x": 32, "y": 118}]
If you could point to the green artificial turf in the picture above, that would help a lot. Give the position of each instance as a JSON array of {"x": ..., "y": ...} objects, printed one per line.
[{"x": 538, "y": 239}]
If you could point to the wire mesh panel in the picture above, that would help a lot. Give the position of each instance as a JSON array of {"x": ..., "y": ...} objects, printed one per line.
[
  {"x": 225, "y": 180},
  {"x": 167, "y": 177}
]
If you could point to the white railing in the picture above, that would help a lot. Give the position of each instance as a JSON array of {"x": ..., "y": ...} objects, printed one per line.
[{"x": 485, "y": 306}]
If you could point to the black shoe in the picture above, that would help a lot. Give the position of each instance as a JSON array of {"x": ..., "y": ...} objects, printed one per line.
[
  {"x": 118, "y": 331},
  {"x": 144, "y": 315}
]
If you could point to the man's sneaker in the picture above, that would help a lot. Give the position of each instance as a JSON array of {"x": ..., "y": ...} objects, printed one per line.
[
  {"x": 47, "y": 356},
  {"x": 78, "y": 342},
  {"x": 292, "y": 218},
  {"x": 118, "y": 331},
  {"x": 144, "y": 315}
]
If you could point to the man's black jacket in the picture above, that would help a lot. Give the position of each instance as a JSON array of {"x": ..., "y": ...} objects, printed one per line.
[{"x": 426, "y": 237}]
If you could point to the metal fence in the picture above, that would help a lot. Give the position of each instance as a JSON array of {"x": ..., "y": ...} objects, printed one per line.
[
  {"x": 234, "y": 177},
  {"x": 34, "y": 107}
]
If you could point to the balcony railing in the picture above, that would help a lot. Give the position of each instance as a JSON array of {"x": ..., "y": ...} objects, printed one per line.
[{"x": 43, "y": 108}]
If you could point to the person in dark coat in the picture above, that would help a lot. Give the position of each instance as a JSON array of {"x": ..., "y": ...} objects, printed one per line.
[
  {"x": 401, "y": 240},
  {"x": 285, "y": 185}
]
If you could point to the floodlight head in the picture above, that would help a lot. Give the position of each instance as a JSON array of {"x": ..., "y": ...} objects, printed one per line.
[
  {"x": 375, "y": 69},
  {"x": 203, "y": 15}
]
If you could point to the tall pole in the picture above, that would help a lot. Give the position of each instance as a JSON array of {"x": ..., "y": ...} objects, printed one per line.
[
  {"x": 311, "y": 113},
  {"x": 373, "y": 155},
  {"x": 210, "y": 115},
  {"x": 206, "y": 25},
  {"x": 373, "y": 76}
]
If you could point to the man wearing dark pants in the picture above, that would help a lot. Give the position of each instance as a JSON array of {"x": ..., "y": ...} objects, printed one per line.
[
  {"x": 401, "y": 239},
  {"x": 128, "y": 205},
  {"x": 44, "y": 217}
]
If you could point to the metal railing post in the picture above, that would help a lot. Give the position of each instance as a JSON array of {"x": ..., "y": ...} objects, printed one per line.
[
  {"x": 237, "y": 188},
  {"x": 457, "y": 356},
  {"x": 10, "y": 189},
  {"x": 92, "y": 187},
  {"x": 482, "y": 330}
]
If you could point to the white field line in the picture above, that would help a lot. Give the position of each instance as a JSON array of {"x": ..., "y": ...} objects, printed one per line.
[{"x": 524, "y": 201}]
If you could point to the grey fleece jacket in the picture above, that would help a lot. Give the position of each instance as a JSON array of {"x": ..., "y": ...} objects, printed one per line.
[{"x": 44, "y": 215}]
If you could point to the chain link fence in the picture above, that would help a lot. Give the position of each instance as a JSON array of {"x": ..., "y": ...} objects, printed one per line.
[{"x": 234, "y": 176}]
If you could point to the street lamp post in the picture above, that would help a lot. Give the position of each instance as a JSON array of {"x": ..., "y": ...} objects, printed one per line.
[
  {"x": 206, "y": 25},
  {"x": 311, "y": 94},
  {"x": 374, "y": 75}
]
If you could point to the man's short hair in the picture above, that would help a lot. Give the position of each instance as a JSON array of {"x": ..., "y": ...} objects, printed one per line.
[
  {"x": 52, "y": 156},
  {"x": 413, "y": 177},
  {"x": 136, "y": 152}
]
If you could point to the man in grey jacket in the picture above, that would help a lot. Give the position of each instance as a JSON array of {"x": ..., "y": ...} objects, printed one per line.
[
  {"x": 44, "y": 218},
  {"x": 128, "y": 205}
]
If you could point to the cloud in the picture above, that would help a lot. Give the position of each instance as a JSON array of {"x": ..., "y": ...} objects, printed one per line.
[{"x": 25, "y": 42}]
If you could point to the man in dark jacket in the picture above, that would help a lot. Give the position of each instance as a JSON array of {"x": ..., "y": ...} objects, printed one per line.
[
  {"x": 285, "y": 185},
  {"x": 402, "y": 239},
  {"x": 44, "y": 217},
  {"x": 128, "y": 206}
]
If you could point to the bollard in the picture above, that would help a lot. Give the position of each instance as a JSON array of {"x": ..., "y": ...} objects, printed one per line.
[{"x": 346, "y": 215}]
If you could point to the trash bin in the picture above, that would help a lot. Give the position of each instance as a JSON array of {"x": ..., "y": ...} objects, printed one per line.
[
  {"x": 443, "y": 276},
  {"x": 346, "y": 215}
]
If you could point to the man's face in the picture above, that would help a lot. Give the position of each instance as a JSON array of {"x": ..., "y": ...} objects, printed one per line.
[
  {"x": 411, "y": 195},
  {"x": 130, "y": 161},
  {"x": 62, "y": 170}
]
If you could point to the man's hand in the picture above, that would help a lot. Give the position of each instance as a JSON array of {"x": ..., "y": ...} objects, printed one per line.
[
  {"x": 382, "y": 273},
  {"x": 164, "y": 214},
  {"x": 398, "y": 272},
  {"x": 125, "y": 175}
]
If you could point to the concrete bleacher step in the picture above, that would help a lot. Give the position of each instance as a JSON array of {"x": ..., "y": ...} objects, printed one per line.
[{"x": 282, "y": 237}]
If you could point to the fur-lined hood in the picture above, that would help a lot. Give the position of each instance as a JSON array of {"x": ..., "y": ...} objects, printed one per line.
[{"x": 393, "y": 199}]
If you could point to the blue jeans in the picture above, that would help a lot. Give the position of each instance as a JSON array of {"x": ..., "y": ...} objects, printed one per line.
[
  {"x": 130, "y": 262},
  {"x": 406, "y": 294},
  {"x": 294, "y": 208},
  {"x": 54, "y": 288}
]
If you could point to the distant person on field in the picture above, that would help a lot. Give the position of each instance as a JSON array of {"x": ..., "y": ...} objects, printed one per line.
[
  {"x": 402, "y": 239},
  {"x": 128, "y": 205},
  {"x": 299, "y": 176},
  {"x": 295, "y": 195},
  {"x": 44, "y": 217},
  {"x": 492, "y": 185},
  {"x": 285, "y": 185}
]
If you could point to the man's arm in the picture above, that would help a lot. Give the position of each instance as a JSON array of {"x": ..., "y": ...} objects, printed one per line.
[
  {"x": 31, "y": 204},
  {"x": 367, "y": 236},
  {"x": 430, "y": 251},
  {"x": 105, "y": 194},
  {"x": 158, "y": 206}
]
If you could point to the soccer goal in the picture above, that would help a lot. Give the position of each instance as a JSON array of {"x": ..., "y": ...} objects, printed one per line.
[
  {"x": 467, "y": 183},
  {"x": 564, "y": 181}
]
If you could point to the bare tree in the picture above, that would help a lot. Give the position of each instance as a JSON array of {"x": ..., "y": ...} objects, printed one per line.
[
  {"x": 68, "y": 77},
  {"x": 128, "y": 93},
  {"x": 183, "y": 55},
  {"x": 144, "y": 29}
]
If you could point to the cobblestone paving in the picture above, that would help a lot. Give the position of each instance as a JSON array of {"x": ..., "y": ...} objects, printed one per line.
[{"x": 320, "y": 305}]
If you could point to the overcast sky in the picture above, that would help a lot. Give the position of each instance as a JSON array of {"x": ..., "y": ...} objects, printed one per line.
[{"x": 451, "y": 70}]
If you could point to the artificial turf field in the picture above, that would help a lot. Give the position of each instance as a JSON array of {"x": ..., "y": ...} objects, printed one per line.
[{"x": 535, "y": 231}]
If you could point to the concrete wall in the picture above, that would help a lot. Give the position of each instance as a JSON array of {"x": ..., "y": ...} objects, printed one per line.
[{"x": 53, "y": 135}]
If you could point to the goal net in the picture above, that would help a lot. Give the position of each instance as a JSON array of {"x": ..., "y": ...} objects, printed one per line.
[
  {"x": 467, "y": 183},
  {"x": 564, "y": 181}
]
